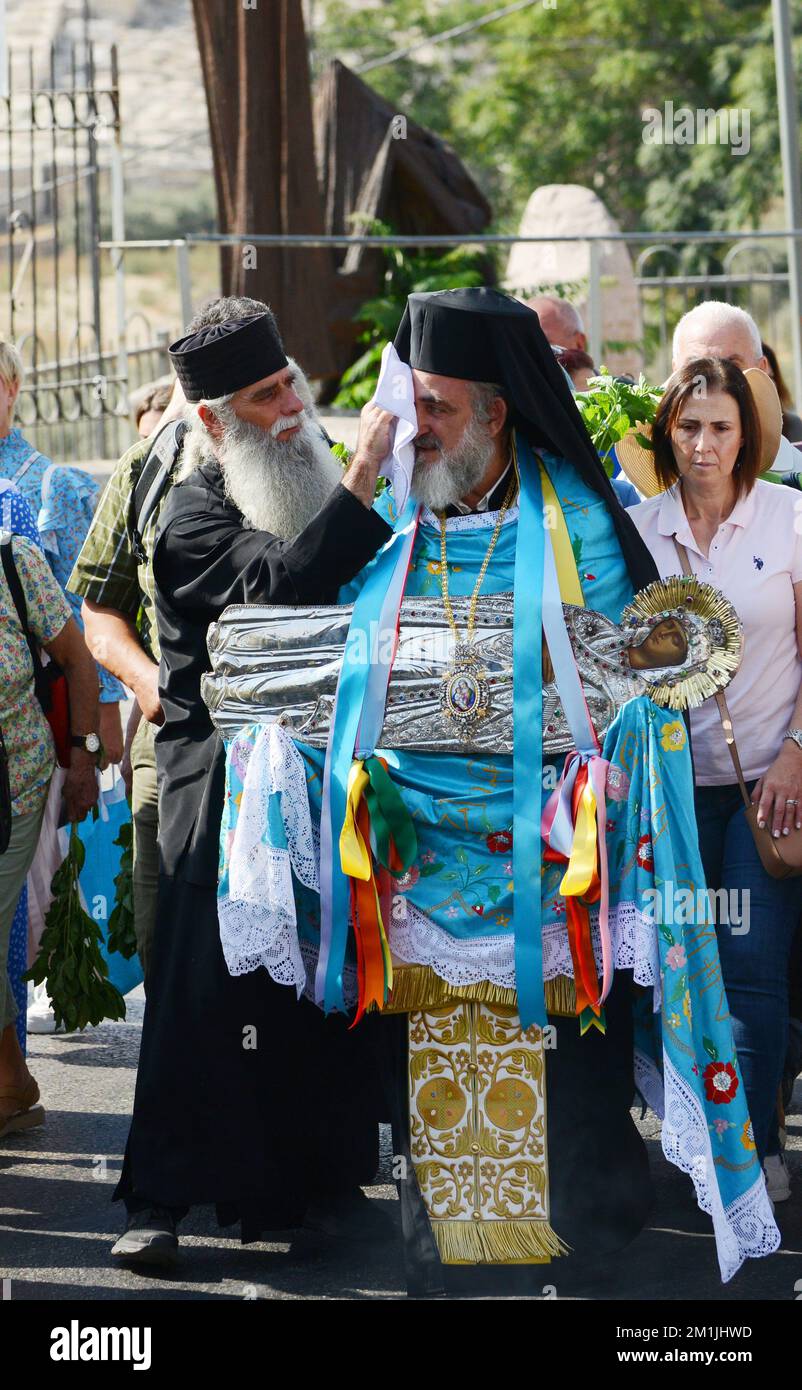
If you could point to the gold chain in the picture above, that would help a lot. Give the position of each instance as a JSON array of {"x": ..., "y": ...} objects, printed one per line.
[{"x": 505, "y": 506}]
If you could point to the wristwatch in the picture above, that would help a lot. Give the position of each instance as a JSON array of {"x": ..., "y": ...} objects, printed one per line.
[
  {"x": 89, "y": 742},
  {"x": 795, "y": 735}
]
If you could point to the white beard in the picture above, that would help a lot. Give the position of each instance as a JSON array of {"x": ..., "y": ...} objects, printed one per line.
[
  {"x": 278, "y": 486},
  {"x": 456, "y": 472}
]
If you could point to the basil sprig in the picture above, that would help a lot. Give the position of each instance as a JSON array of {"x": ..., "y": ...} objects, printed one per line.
[{"x": 610, "y": 408}]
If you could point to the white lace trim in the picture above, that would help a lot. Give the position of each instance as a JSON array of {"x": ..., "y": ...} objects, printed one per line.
[
  {"x": 417, "y": 940},
  {"x": 649, "y": 1082},
  {"x": 258, "y": 924},
  {"x": 746, "y": 1228},
  {"x": 473, "y": 521}
]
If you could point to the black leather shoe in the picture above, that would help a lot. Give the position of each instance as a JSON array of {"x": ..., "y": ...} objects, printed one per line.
[
  {"x": 349, "y": 1216},
  {"x": 149, "y": 1238}
]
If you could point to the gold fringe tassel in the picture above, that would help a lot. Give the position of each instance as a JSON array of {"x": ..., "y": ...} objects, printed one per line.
[
  {"x": 418, "y": 987},
  {"x": 497, "y": 1242}
]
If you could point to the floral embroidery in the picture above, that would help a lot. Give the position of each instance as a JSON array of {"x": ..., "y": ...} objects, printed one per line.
[
  {"x": 500, "y": 842},
  {"x": 747, "y": 1137},
  {"x": 720, "y": 1125},
  {"x": 617, "y": 783},
  {"x": 645, "y": 854},
  {"x": 673, "y": 737},
  {"x": 676, "y": 958},
  {"x": 407, "y": 880},
  {"x": 721, "y": 1082}
]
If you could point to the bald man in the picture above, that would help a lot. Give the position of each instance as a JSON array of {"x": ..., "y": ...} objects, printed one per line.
[
  {"x": 717, "y": 329},
  {"x": 560, "y": 321}
]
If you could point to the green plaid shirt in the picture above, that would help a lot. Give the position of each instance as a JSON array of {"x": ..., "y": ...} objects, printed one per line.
[{"x": 107, "y": 571}]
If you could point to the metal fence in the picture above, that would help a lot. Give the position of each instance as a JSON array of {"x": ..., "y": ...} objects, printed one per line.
[
  {"x": 61, "y": 188},
  {"x": 672, "y": 272},
  {"x": 77, "y": 409}
]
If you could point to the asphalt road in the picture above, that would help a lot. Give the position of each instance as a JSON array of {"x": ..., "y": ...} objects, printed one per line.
[{"x": 57, "y": 1222}]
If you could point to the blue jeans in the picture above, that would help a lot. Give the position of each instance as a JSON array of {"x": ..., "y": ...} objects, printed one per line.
[{"x": 754, "y": 963}]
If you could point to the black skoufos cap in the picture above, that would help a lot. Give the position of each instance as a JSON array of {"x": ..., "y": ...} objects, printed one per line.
[
  {"x": 224, "y": 357},
  {"x": 486, "y": 335}
]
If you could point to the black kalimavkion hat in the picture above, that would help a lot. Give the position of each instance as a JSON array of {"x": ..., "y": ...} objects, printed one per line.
[
  {"x": 485, "y": 335},
  {"x": 223, "y": 357}
]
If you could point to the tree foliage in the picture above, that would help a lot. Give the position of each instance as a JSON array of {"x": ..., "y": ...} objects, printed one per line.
[{"x": 555, "y": 94}]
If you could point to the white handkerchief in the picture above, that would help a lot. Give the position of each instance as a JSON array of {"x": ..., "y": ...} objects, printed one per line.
[{"x": 395, "y": 392}]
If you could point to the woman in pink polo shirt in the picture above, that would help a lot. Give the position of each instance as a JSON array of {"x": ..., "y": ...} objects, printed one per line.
[{"x": 744, "y": 536}]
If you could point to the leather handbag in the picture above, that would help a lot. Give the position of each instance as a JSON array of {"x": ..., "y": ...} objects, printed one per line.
[{"x": 780, "y": 858}]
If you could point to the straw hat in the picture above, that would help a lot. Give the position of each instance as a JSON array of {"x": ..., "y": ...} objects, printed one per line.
[{"x": 638, "y": 463}]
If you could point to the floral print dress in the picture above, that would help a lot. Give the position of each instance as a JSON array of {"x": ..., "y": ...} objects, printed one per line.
[{"x": 62, "y": 500}]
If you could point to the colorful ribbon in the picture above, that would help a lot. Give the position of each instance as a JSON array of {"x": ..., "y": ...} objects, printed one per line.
[
  {"x": 376, "y": 823},
  {"x": 554, "y": 520},
  {"x": 370, "y": 610},
  {"x": 527, "y": 725},
  {"x": 574, "y": 819}
]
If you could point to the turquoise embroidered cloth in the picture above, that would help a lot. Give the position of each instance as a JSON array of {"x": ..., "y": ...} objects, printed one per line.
[{"x": 452, "y": 908}]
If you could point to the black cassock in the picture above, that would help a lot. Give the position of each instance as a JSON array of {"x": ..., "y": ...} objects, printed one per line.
[{"x": 257, "y": 1130}]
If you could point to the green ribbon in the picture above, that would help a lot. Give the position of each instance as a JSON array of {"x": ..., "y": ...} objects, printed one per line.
[{"x": 389, "y": 817}]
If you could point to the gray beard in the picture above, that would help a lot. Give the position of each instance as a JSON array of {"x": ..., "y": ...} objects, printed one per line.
[
  {"x": 456, "y": 472},
  {"x": 278, "y": 487}
]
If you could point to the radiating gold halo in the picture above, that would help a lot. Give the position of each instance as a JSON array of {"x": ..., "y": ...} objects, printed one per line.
[{"x": 664, "y": 597}]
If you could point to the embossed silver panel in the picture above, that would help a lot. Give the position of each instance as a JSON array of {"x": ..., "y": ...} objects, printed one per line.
[{"x": 283, "y": 663}]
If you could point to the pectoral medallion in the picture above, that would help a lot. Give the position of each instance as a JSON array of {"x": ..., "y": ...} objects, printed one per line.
[{"x": 464, "y": 692}]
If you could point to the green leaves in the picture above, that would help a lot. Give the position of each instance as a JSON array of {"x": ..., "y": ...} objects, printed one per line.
[
  {"x": 122, "y": 936},
  {"x": 555, "y": 94},
  {"x": 611, "y": 408},
  {"x": 69, "y": 958},
  {"x": 406, "y": 272},
  {"x": 710, "y": 1048}
]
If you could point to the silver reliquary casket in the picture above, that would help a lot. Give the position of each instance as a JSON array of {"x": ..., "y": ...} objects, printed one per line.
[{"x": 678, "y": 642}]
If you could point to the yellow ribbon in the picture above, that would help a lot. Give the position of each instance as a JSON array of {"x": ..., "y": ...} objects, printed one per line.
[
  {"x": 357, "y": 863},
  {"x": 354, "y": 853},
  {"x": 582, "y": 863},
  {"x": 567, "y": 574}
]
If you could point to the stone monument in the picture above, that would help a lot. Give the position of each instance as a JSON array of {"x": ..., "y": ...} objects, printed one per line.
[{"x": 568, "y": 209}]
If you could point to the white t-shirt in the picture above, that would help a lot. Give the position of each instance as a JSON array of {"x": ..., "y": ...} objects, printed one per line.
[{"x": 755, "y": 558}]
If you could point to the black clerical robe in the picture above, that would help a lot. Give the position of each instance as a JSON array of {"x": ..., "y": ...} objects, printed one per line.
[{"x": 246, "y": 1098}]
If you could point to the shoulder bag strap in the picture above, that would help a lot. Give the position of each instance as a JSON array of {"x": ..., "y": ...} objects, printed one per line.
[
  {"x": 149, "y": 487},
  {"x": 723, "y": 709},
  {"x": 18, "y": 598}
]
